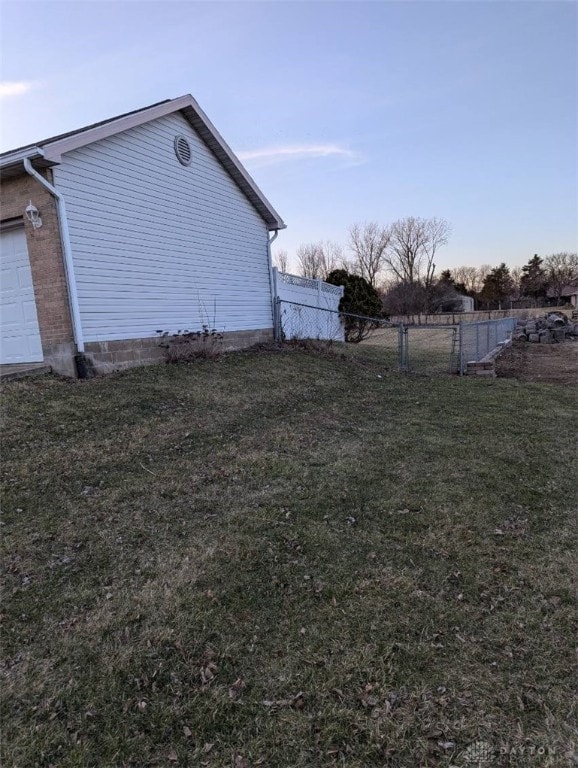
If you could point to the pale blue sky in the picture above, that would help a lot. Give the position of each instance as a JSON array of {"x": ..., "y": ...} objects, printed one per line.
[{"x": 342, "y": 112}]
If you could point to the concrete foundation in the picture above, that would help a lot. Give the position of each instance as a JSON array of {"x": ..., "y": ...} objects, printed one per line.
[{"x": 109, "y": 356}]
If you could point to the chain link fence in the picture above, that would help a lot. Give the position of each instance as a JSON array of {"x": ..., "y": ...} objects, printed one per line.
[
  {"x": 420, "y": 349},
  {"x": 379, "y": 338},
  {"x": 477, "y": 340},
  {"x": 382, "y": 345},
  {"x": 429, "y": 349}
]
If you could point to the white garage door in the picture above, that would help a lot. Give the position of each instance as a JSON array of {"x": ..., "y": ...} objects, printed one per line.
[{"x": 19, "y": 332}]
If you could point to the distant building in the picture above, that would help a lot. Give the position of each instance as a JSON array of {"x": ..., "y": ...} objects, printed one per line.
[
  {"x": 467, "y": 303},
  {"x": 568, "y": 293}
]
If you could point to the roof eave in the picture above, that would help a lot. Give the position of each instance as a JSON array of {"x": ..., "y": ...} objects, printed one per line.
[
  {"x": 11, "y": 164},
  {"x": 13, "y": 159}
]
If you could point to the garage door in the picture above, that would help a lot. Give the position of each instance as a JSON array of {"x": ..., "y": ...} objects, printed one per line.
[{"x": 19, "y": 332}]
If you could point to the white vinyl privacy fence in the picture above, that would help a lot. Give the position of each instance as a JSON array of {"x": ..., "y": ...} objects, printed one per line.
[{"x": 307, "y": 308}]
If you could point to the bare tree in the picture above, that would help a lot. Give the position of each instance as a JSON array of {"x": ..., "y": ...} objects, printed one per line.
[
  {"x": 437, "y": 234},
  {"x": 368, "y": 242},
  {"x": 516, "y": 275},
  {"x": 413, "y": 246},
  {"x": 562, "y": 271},
  {"x": 310, "y": 259},
  {"x": 281, "y": 260},
  {"x": 468, "y": 277},
  {"x": 483, "y": 271},
  {"x": 317, "y": 260},
  {"x": 332, "y": 257}
]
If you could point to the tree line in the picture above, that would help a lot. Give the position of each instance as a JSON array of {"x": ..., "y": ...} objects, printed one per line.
[{"x": 399, "y": 261}]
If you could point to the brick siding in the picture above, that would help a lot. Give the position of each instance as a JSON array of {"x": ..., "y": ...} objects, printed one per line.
[{"x": 45, "y": 253}]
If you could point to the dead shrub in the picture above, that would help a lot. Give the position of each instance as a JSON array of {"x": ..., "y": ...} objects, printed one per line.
[{"x": 187, "y": 346}]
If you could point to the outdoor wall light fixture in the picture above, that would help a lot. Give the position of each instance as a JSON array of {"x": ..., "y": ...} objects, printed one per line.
[{"x": 33, "y": 216}]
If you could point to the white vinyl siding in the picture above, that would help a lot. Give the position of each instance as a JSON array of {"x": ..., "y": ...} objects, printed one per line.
[{"x": 159, "y": 245}]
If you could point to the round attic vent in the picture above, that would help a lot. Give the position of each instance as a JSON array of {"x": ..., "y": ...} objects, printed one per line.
[{"x": 183, "y": 150}]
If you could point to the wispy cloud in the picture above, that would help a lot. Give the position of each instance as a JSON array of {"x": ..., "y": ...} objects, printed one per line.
[
  {"x": 267, "y": 155},
  {"x": 15, "y": 88}
]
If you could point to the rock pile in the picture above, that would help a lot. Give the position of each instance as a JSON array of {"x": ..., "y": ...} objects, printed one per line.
[{"x": 551, "y": 328}]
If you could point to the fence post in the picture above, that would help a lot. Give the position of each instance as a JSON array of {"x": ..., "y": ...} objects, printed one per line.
[
  {"x": 400, "y": 354},
  {"x": 318, "y": 314},
  {"x": 453, "y": 352},
  {"x": 461, "y": 349},
  {"x": 277, "y": 319},
  {"x": 477, "y": 341}
]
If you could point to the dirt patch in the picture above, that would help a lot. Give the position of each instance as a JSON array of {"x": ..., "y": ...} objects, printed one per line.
[{"x": 550, "y": 363}]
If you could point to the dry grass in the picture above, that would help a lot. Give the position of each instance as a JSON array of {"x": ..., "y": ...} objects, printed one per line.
[
  {"x": 286, "y": 559},
  {"x": 429, "y": 349}
]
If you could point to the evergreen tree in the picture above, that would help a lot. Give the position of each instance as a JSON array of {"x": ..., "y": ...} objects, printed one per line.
[
  {"x": 447, "y": 277},
  {"x": 497, "y": 285},
  {"x": 534, "y": 281},
  {"x": 359, "y": 298}
]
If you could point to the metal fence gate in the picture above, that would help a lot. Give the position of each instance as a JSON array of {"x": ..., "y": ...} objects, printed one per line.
[{"x": 428, "y": 349}]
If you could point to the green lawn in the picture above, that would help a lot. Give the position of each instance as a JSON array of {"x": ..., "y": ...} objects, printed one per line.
[{"x": 286, "y": 559}]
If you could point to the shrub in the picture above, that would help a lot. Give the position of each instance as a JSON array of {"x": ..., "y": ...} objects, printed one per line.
[
  {"x": 359, "y": 298},
  {"x": 185, "y": 346}
]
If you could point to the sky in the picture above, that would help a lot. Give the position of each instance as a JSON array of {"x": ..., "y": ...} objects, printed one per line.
[{"x": 342, "y": 112}]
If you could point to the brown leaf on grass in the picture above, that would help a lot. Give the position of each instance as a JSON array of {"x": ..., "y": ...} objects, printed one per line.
[
  {"x": 237, "y": 688},
  {"x": 173, "y": 757},
  {"x": 240, "y": 762},
  {"x": 516, "y": 526},
  {"x": 299, "y": 701},
  {"x": 187, "y": 731},
  {"x": 208, "y": 673},
  {"x": 367, "y": 696},
  {"x": 296, "y": 701}
]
